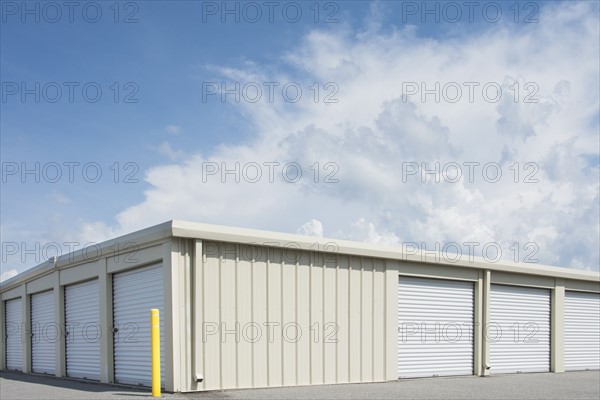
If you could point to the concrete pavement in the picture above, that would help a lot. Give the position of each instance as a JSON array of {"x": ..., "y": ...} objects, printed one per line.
[{"x": 547, "y": 386}]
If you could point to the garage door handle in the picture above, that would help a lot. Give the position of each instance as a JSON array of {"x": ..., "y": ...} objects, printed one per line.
[
  {"x": 115, "y": 330},
  {"x": 67, "y": 333}
]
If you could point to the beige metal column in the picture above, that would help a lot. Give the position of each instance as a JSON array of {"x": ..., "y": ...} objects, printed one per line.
[
  {"x": 392, "y": 269},
  {"x": 485, "y": 320},
  {"x": 26, "y": 328},
  {"x": 169, "y": 317},
  {"x": 478, "y": 326},
  {"x": 557, "y": 334},
  {"x": 3, "y": 335},
  {"x": 59, "y": 319},
  {"x": 177, "y": 319},
  {"x": 106, "y": 323},
  {"x": 197, "y": 316},
  {"x": 182, "y": 288}
]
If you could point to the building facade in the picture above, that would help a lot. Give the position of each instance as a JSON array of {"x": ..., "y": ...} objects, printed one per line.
[{"x": 242, "y": 308}]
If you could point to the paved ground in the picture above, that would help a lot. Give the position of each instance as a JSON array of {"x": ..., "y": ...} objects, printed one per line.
[{"x": 572, "y": 385}]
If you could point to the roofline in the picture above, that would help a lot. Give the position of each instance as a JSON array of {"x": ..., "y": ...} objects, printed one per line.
[
  {"x": 221, "y": 233},
  {"x": 107, "y": 248},
  {"x": 252, "y": 236}
]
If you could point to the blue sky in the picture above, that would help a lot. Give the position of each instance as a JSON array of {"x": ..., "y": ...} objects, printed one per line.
[{"x": 163, "y": 57}]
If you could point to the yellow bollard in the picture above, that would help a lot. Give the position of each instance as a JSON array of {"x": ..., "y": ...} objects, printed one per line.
[{"x": 155, "y": 344}]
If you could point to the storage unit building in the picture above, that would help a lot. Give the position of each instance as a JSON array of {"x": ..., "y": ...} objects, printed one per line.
[{"x": 243, "y": 308}]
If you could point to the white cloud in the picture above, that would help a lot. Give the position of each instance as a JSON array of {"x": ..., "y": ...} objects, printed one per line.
[
  {"x": 311, "y": 228},
  {"x": 8, "y": 274},
  {"x": 367, "y": 232},
  {"x": 94, "y": 232},
  {"x": 167, "y": 150},
  {"x": 173, "y": 129},
  {"x": 366, "y": 139}
]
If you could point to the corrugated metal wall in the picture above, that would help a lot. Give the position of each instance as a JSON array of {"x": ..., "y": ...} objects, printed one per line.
[{"x": 279, "y": 317}]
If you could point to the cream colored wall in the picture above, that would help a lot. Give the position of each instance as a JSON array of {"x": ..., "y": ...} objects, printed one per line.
[
  {"x": 322, "y": 318},
  {"x": 178, "y": 319},
  {"x": 582, "y": 286},
  {"x": 259, "y": 285},
  {"x": 504, "y": 278}
]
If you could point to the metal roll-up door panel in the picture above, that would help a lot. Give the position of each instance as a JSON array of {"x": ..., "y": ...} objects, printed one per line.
[
  {"x": 435, "y": 327},
  {"x": 44, "y": 333},
  {"x": 82, "y": 320},
  {"x": 519, "y": 329},
  {"x": 135, "y": 292},
  {"x": 13, "y": 331},
  {"x": 582, "y": 331}
]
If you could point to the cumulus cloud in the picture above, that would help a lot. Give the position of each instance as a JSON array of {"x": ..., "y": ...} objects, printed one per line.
[
  {"x": 8, "y": 274},
  {"x": 168, "y": 151},
  {"x": 367, "y": 232},
  {"x": 311, "y": 228},
  {"x": 379, "y": 164}
]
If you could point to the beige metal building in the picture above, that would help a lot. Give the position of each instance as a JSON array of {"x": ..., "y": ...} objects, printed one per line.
[{"x": 243, "y": 308}]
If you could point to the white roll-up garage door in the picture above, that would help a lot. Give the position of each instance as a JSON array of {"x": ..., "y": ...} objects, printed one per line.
[
  {"x": 13, "y": 331},
  {"x": 435, "y": 327},
  {"x": 135, "y": 292},
  {"x": 582, "y": 331},
  {"x": 519, "y": 329},
  {"x": 44, "y": 333},
  {"x": 82, "y": 320}
]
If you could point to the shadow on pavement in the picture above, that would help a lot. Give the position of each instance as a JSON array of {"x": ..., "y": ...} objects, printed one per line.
[{"x": 75, "y": 384}]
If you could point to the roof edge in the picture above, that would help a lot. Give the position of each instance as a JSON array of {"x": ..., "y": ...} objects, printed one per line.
[
  {"x": 196, "y": 230},
  {"x": 259, "y": 237},
  {"x": 93, "y": 252}
]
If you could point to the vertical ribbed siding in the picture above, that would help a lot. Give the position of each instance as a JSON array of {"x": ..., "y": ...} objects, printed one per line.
[
  {"x": 284, "y": 317},
  {"x": 519, "y": 329},
  {"x": 435, "y": 327},
  {"x": 45, "y": 333},
  {"x": 13, "y": 332},
  {"x": 582, "y": 331},
  {"x": 135, "y": 293},
  {"x": 82, "y": 319}
]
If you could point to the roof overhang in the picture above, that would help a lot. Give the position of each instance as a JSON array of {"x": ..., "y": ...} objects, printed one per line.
[{"x": 194, "y": 230}]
